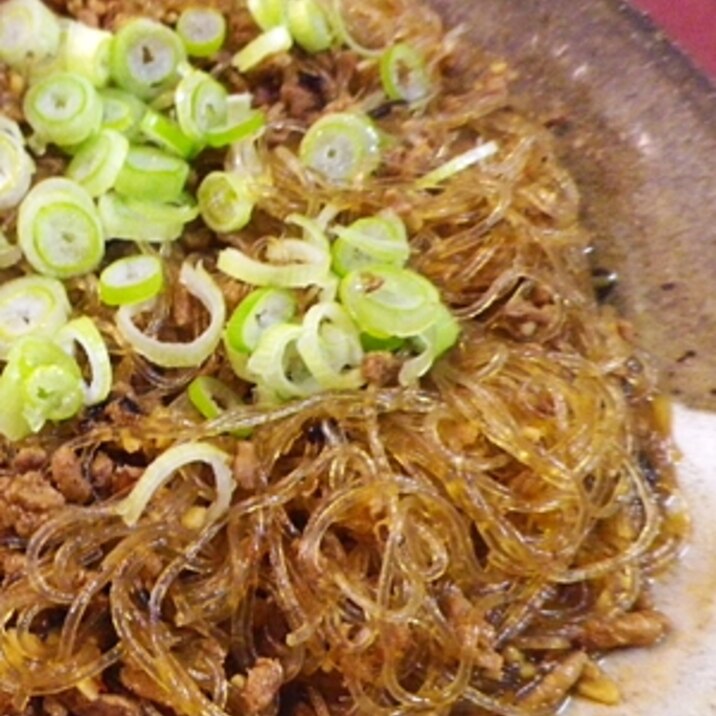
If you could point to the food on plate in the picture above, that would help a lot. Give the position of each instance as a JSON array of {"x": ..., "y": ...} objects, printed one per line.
[{"x": 308, "y": 406}]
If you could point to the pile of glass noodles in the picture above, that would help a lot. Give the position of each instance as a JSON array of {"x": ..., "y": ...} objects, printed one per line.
[{"x": 345, "y": 429}]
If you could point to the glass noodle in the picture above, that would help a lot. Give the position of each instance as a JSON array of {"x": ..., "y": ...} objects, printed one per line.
[{"x": 468, "y": 545}]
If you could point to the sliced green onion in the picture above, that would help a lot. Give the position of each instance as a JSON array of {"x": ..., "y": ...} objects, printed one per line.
[
  {"x": 13, "y": 425},
  {"x": 167, "y": 134},
  {"x": 31, "y": 306},
  {"x": 40, "y": 383},
  {"x": 239, "y": 105},
  {"x": 343, "y": 147},
  {"x": 183, "y": 209},
  {"x": 248, "y": 127},
  {"x": 380, "y": 239},
  {"x": 140, "y": 220},
  {"x": 238, "y": 361},
  {"x": 11, "y": 129},
  {"x": 390, "y": 345},
  {"x": 432, "y": 342},
  {"x": 313, "y": 233},
  {"x": 225, "y": 201},
  {"x": 122, "y": 111},
  {"x": 457, "y": 164},
  {"x": 211, "y": 397},
  {"x": 151, "y": 172},
  {"x": 133, "y": 279},
  {"x": 98, "y": 162},
  {"x": 387, "y": 301},
  {"x": 404, "y": 74},
  {"x": 343, "y": 35},
  {"x": 87, "y": 51},
  {"x": 146, "y": 57},
  {"x": 16, "y": 170},
  {"x": 279, "y": 368},
  {"x": 159, "y": 472},
  {"x": 63, "y": 108},
  {"x": 267, "y": 13},
  {"x": 174, "y": 354},
  {"x": 313, "y": 272},
  {"x": 201, "y": 104},
  {"x": 202, "y": 30},
  {"x": 59, "y": 229},
  {"x": 10, "y": 254},
  {"x": 309, "y": 25},
  {"x": 241, "y": 123},
  {"x": 288, "y": 251},
  {"x": 83, "y": 332},
  {"x": 330, "y": 347},
  {"x": 52, "y": 386},
  {"x": 271, "y": 42},
  {"x": 260, "y": 310},
  {"x": 29, "y": 32},
  {"x": 245, "y": 159}
]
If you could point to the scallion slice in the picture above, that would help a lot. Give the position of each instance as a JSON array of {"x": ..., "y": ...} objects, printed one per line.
[
  {"x": 133, "y": 279},
  {"x": 313, "y": 232},
  {"x": 309, "y": 25},
  {"x": 29, "y": 33},
  {"x": 272, "y": 42},
  {"x": 10, "y": 254},
  {"x": 51, "y": 386},
  {"x": 167, "y": 134},
  {"x": 330, "y": 347},
  {"x": 457, "y": 164},
  {"x": 211, "y": 397},
  {"x": 159, "y": 472},
  {"x": 122, "y": 111},
  {"x": 343, "y": 147},
  {"x": 313, "y": 272},
  {"x": 31, "y": 306},
  {"x": 256, "y": 313},
  {"x": 267, "y": 13},
  {"x": 59, "y": 229},
  {"x": 404, "y": 74},
  {"x": 278, "y": 366},
  {"x": 431, "y": 344},
  {"x": 98, "y": 162},
  {"x": 86, "y": 51},
  {"x": 343, "y": 35},
  {"x": 11, "y": 129},
  {"x": 238, "y": 361},
  {"x": 133, "y": 219},
  {"x": 84, "y": 333},
  {"x": 174, "y": 354},
  {"x": 387, "y": 301},
  {"x": 201, "y": 105},
  {"x": 146, "y": 57},
  {"x": 13, "y": 425},
  {"x": 372, "y": 240},
  {"x": 247, "y": 127},
  {"x": 63, "y": 108},
  {"x": 16, "y": 170},
  {"x": 225, "y": 201},
  {"x": 151, "y": 172},
  {"x": 202, "y": 30}
]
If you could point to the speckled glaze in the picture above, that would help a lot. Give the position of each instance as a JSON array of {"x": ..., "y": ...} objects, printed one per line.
[{"x": 640, "y": 138}]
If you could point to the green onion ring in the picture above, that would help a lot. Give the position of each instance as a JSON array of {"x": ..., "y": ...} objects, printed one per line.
[
  {"x": 174, "y": 354},
  {"x": 59, "y": 229}
]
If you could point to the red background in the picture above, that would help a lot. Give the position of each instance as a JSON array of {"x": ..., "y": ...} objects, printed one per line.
[{"x": 691, "y": 24}]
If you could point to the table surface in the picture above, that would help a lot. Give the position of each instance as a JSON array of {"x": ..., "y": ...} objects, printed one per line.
[{"x": 689, "y": 23}]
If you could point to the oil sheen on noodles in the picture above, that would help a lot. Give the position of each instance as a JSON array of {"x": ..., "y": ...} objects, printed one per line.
[{"x": 470, "y": 545}]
